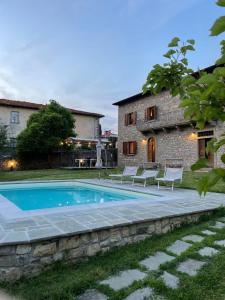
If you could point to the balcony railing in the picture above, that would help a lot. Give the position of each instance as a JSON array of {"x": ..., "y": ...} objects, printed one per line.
[{"x": 164, "y": 120}]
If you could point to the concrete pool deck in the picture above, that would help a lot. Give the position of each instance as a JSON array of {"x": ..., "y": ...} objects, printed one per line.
[{"x": 72, "y": 221}]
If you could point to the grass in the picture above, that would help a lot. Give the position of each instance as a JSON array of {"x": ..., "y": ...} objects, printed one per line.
[
  {"x": 64, "y": 282},
  {"x": 189, "y": 181}
]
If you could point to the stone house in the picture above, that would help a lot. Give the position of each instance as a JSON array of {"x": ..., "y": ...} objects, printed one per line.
[
  {"x": 151, "y": 128},
  {"x": 15, "y": 114}
]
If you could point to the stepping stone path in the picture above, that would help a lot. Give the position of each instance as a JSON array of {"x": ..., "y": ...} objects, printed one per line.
[
  {"x": 190, "y": 267},
  {"x": 140, "y": 294},
  {"x": 208, "y": 232},
  {"x": 153, "y": 262},
  {"x": 124, "y": 279},
  {"x": 218, "y": 225},
  {"x": 193, "y": 238},
  {"x": 91, "y": 295},
  {"x": 208, "y": 251},
  {"x": 170, "y": 280},
  {"x": 178, "y": 247},
  {"x": 220, "y": 243}
]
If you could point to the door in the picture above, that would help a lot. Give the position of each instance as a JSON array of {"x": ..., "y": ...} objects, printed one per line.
[
  {"x": 151, "y": 149},
  {"x": 202, "y": 153}
]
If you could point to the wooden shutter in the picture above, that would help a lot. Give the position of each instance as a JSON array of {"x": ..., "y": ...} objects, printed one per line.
[
  {"x": 155, "y": 112},
  {"x": 135, "y": 117},
  {"x": 126, "y": 120},
  {"x": 125, "y": 148},
  {"x": 135, "y": 147}
]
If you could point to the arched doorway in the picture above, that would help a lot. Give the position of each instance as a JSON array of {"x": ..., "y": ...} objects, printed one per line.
[{"x": 151, "y": 149}]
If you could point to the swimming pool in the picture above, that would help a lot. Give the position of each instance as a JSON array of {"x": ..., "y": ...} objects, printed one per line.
[{"x": 38, "y": 196}]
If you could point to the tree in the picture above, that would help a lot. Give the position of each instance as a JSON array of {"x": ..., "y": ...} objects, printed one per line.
[
  {"x": 202, "y": 95},
  {"x": 3, "y": 136},
  {"x": 45, "y": 132}
]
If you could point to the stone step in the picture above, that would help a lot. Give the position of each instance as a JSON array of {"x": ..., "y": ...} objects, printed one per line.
[
  {"x": 220, "y": 243},
  {"x": 190, "y": 266},
  {"x": 170, "y": 280},
  {"x": 124, "y": 279},
  {"x": 208, "y": 232},
  {"x": 178, "y": 247},
  {"x": 141, "y": 294},
  {"x": 208, "y": 251},
  {"x": 153, "y": 263},
  {"x": 218, "y": 225},
  {"x": 193, "y": 238}
]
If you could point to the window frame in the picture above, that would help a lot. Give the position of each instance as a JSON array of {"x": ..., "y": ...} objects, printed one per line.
[
  {"x": 15, "y": 120},
  {"x": 130, "y": 148},
  {"x": 151, "y": 113},
  {"x": 131, "y": 118}
]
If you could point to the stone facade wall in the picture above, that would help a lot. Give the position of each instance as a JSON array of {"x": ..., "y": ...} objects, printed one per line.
[
  {"x": 29, "y": 260},
  {"x": 176, "y": 143}
]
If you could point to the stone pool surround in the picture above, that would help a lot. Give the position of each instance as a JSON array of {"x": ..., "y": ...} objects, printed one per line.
[{"x": 35, "y": 243}]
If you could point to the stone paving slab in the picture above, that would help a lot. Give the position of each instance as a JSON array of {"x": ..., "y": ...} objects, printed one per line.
[
  {"x": 153, "y": 262},
  {"x": 170, "y": 280},
  {"x": 178, "y": 247},
  {"x": 91, "y": 294},
  {"x": 218, "y": 225},
  {"x": 208, "y": 232},
  {"x": 208, "y": 251},
  {"x": 124, "y": 279},
  {"x": 190, "y": 267},
  {"x": 141, "y": 294},
  {"x": 193, "y": 238},
  {"x": 220, "y": 243}
]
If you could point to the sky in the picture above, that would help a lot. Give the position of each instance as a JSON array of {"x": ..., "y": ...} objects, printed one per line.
[{"x": 87, "y": 54}]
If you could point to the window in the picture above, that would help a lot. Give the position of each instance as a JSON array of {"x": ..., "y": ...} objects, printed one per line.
[
  {"x": 12, "y": 143},
  {"x": 202, "y": 134},
  {"x": 14, "y": 117},
  {"x": 130, "y": 148},
  {"x": 151, "y": 113},
  {"x": 130, "y": 118}
]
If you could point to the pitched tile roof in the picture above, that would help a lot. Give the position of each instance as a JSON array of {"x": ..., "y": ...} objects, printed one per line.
[{"x": 31, "y": 105}]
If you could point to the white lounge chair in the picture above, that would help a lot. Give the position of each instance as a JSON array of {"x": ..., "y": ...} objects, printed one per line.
[
  {"x": 127, "y": 172},
  {"x": 171, "y": 175},
  {"x": 145, "y": 175}
]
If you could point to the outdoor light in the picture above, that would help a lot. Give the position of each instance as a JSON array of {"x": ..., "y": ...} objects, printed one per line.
[
  {"x": 193, "y": 136},
  {"x": 12, "y": 164}
]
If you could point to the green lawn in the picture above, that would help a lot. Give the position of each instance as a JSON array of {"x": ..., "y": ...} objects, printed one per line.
[
  {"x": 189, "y": 181},
  {"x": 64, "y": 282}
]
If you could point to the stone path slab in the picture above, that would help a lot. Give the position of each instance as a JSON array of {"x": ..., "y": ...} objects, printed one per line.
[
  {"x": 140, "y": 294},
  {"x": 193, "y": 238},
  {"x": 190, "y": 267},
  {"x": 91, "y": 295},
  {"x": 124, "y": 279},
  {"x": 178, "y": 247},
  {"x": 218, "y": 225},
  {"x": 208, "y": 251},
  {"x": 220, "y": 243},
  {"x": 152, "y": 263},
  {"x": 170, "y": 280},
  {"x": 208, "y": 232}
]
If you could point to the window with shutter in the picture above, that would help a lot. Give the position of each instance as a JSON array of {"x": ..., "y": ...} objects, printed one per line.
[
  {"x": 151, "y": 113},
  {"x": 130, "y": 118},
  {"x": 130, "y": 148}
]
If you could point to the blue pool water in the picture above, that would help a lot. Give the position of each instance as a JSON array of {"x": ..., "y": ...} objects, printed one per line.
[{"x": 32, "y": 198}]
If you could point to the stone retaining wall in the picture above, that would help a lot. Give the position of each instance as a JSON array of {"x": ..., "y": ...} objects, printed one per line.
[{"x": 30, "y": 259}]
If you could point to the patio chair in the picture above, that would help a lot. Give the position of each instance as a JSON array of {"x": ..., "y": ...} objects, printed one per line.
[
  {"x": 171, "y": 175},
  {"x": 127, "y": 172},
  {"x": 145, "y": 175}
]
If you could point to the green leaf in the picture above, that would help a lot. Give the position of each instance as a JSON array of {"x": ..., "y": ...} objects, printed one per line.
[
  {"x": 190, "y": 47},
  {"x": 218, "y": 27},
  {"x": 192, "y": 42},
  {"x": 201, "y": 163},
  {"x": 184, "y": 61},
  {"x": 207, "y": 79},
  {"x": 174, "y": 42},
  {"x": 220, "y": 2},
  {"x": 169, "y": 53}
]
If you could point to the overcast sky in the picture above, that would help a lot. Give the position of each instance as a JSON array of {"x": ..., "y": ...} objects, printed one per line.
[{"x": 87, "y": 54}]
